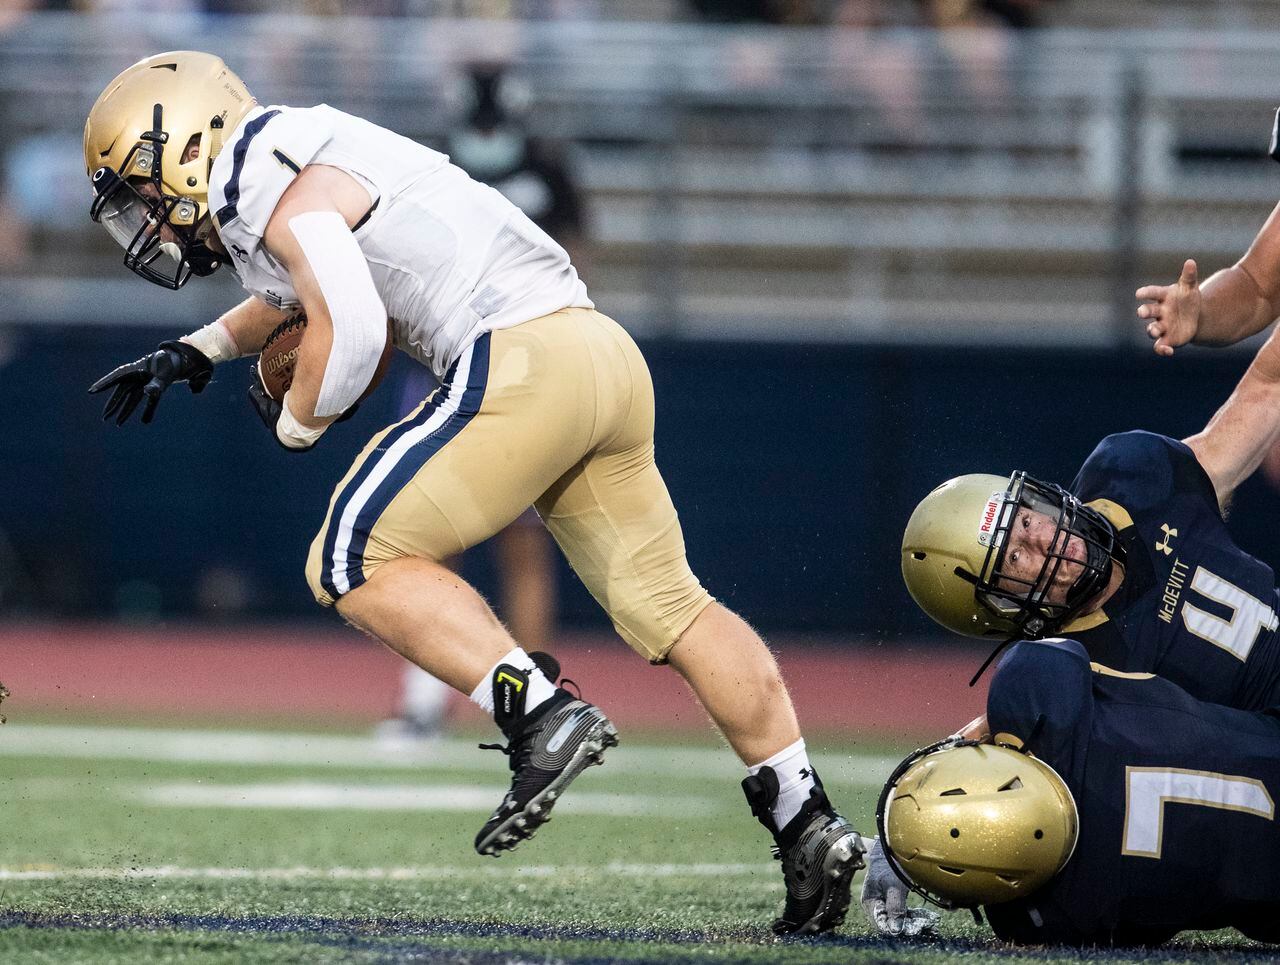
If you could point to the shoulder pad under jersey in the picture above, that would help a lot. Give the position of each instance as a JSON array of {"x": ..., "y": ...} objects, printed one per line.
[
  {"x": 1139, "y": 470},
  {"x": 266, "y": 153}
]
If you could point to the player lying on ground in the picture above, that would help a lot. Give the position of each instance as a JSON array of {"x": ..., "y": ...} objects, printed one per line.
[
  {"x": 355, "y": 224},
  {"x": 1143, "y": 812},
  {"x": 1134, "y": 560}
]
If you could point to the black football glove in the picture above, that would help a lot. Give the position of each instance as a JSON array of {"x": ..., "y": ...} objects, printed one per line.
[
  {"x": 149, "y": 376},
  {"x": 268, "y": 409}
]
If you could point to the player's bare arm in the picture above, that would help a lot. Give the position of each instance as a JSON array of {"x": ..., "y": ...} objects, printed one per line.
[
  {"x": 309, "y": 233},
  {"x": 249, "y": 324},
  {"x": 1240, "y": 433},
  {"x": 976, "y": 730},
  {"x": 1231, "y": 305}
]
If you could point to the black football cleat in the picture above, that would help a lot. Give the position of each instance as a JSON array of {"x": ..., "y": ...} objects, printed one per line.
[
  {"x": 819, "y": 851},
  {"x": 548, "y": 747}
]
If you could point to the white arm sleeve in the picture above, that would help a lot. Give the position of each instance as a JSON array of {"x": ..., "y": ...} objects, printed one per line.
[{"x": 359, "y": 317}]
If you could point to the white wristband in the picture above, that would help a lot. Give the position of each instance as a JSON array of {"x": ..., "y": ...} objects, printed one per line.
[
  {"x": 215, "y": 341},
  {"x": 292, "y": 433}
]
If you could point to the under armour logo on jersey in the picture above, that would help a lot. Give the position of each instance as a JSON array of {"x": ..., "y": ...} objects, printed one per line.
[{"x": 1169, "y": 534}]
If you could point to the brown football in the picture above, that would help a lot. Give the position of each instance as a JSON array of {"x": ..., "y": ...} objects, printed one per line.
[{"x": 279, "y": 357}]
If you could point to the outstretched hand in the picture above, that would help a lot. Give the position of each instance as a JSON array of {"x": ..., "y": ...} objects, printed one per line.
[
  {"x": 148, "y": 378},
  {"x": 1172, "y": 311},
  {"x": 884, "y": 901}
]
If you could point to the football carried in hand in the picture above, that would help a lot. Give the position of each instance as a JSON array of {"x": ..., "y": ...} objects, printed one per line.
[{"x": 279, "y": 357}]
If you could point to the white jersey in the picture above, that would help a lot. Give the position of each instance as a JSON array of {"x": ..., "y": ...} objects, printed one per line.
[{"x": 450, "y": 257}]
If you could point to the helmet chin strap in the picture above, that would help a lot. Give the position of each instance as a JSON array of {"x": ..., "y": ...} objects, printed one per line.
[{"x": 216, "y": 125}]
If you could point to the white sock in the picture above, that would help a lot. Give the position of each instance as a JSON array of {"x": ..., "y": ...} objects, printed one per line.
[
  {"x": 540, "y": 688},
  {"x": 795, "y": 781},
  {"x": 423, "y": 698}
]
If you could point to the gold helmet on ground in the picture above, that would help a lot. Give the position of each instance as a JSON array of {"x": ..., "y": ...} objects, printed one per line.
[
  {"x": 969, "y": 824},
  {"x": 953, "y": 554},
  {"x": 149, "y": 144}
]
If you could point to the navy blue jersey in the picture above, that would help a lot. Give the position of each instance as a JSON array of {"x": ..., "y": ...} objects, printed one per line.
[
  {"x": 1193, "y": 607},
  {"x": 1176, "y": 797}
]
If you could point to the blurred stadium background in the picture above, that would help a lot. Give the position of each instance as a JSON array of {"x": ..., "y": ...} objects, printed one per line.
[
  {"x": 863, "y": 253},
  {"x": 866, "y": 245}
]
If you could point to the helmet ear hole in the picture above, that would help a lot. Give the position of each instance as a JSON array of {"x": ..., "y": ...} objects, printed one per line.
[
  {"x": 964, "y": 843},
  {"x": 918, "y": 555}
]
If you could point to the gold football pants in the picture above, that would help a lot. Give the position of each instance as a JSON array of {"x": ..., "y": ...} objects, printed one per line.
[{"x": 557, "y": 413}]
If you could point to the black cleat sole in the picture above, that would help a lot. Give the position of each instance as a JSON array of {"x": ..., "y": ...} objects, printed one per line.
[
  {"x": 524, "y": 824},
  {"x": 838, "y": 868}
]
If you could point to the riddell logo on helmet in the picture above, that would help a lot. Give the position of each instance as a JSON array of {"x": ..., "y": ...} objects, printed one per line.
[{"x": 989, "y": 522}]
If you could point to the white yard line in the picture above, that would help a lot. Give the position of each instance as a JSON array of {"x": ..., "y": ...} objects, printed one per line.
[
  {"x": 315, "y": 796},
  {"x": 415, "y": 873},
  {"x": 239, "y": 747}
]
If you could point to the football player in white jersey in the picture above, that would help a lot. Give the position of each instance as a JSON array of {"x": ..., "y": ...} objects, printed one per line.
[{"x": 543, "y": 401}]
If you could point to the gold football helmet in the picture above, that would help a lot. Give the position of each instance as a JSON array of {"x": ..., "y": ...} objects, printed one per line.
[
  {"x": 953, "y": 554},
  {"x": 967, "y": 824},
  {"x": 149, "y": 143}
]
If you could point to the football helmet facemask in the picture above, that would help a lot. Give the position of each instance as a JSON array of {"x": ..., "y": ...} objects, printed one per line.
[
  {"x": 149, "y": 144},
  {"x": 967, "y": 824},
  {"x": 954, "y": 547}
]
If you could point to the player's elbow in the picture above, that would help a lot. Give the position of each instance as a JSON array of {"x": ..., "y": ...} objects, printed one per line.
[{"x": 354, "y": 357}]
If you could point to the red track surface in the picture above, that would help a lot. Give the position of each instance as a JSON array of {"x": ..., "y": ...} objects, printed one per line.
[{"x": 891, "y": 691}]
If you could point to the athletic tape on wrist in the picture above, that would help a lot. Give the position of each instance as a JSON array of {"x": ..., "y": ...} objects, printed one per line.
[
  {"x": 215, "y": 341},
  {"x": 358, "y": 315},
  {"x": 293, "y": 433}
]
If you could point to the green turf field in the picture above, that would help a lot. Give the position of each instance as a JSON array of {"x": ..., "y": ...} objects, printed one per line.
[{"x": 210, "y": 846}]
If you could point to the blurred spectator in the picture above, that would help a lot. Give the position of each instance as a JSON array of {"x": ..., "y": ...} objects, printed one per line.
[
  {"x": 223, "y": 593},
  {"x": 15, "y": 242},
  {"x": 879, "y": 65},
  {"x": 15, "y": 588},
  {"x": 795, "y": 12},
  {"x": 43, "y": 201},
  {"x": 1018, "y": 14},
  {"x": 139, "y": 6},
  {"x": 12, "y": 11},
  {"x": 45, "y": 181},
  {"x": 493, "y": 145},
  {"x": 980, "y": 43}
]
